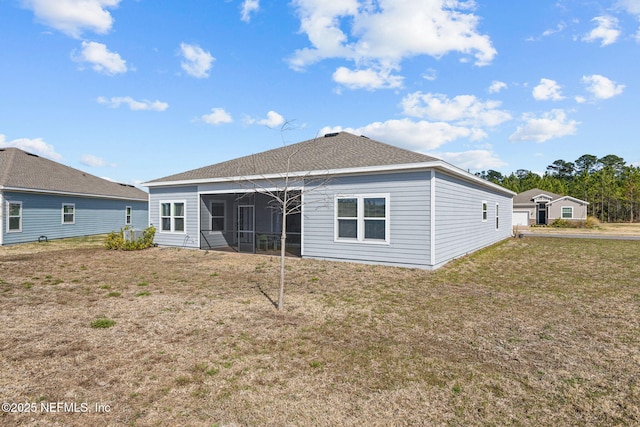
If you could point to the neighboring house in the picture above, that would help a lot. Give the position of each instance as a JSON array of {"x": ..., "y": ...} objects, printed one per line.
[
  {"x": 539, "y": 207},
  {"x": 362, "y": 201},
  {"x": 40, "y": 199}
]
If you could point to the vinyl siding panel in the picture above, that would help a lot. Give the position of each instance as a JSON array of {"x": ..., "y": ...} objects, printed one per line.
[
  {"x": 579, "y": 210},
  {"x": 460, "y": 228},
  {"x": 409, "y": 211},
  {"x": 42, "y": 216},
  {"x": 188, "y": 194}
]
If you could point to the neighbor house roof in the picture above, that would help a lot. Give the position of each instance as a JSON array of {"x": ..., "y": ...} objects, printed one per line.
[
  {"x": 526, "y": 197},
  {"x": 333, "y": 153},
  {"x": 24, "y": 171}
]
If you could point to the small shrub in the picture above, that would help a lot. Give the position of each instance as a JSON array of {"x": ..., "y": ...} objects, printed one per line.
[
  {"x": 102, "y": 323},
  {"x": 592, "y": 222},
  {"x": 559, "y": 223},
  {"x": 117, "y": 241}
]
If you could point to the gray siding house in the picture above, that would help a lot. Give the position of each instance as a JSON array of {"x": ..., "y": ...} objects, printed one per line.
[
  {"x": 359, "y": 200},
  {"x": 41, "y": 198},
  {"x": 539, "y": 207}
]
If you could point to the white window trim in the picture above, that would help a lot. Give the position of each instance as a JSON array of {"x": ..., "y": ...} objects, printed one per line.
[
  {"x": 73, "y": 205},
  {"x": 562, "y": 209},
  {"x": 485, "y": 211},
  {"x": 128, "y": 217},
  {"x": 11, "y": 202},
  {"x": 360, "y": 219},
  {"x": 173, "y": 223}
]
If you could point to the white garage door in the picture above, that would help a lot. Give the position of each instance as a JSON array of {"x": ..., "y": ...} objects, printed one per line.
[{"x": 521, "y": 218}]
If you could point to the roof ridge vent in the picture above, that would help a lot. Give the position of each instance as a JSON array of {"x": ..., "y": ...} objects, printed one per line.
[
  {"x": 331, "y": 135},
  {"x": 31, "y": 154}
]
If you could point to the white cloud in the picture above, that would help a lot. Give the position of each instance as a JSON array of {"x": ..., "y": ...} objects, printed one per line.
[
  {"x": 197, "y": 62},
  {"x": 134, "y": 105},
  {"x": 601, "y": 87},
  {"x": 631, "y": 6},
  {"x": 273, "y": 119},
  {"x": 36, "y": 146},
  {"x": 94, "y": 161},
  {"x": 249, "y": 7},
  {"x": 217, "y": 116},
  {"x": 607, "y": 30},
  {"x": 462, "y": 109},
  {"x": 552, "y": 124},
  {"x": 547, "y": 90},
  {"x": 473, "y": 160},
  {"x": 101, "y": 59},
  {"x": 497, "y": 86},
  {"x": 381, "y": 34},
  {"x": 430, "y": 75},
  {"x": 72, "y": 17},
  {"x": 369, "y": 79},
  {"x": 414, "y": 135}
]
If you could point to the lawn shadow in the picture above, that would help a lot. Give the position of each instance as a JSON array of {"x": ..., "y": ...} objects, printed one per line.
[{"x": 266, "y": 295}]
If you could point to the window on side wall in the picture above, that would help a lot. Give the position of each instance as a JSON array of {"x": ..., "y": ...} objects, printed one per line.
[
  {"x": 497, "y": 216},
  {"x": 14, "y": 224},
  {"x": 567, "y": 212},
  {"x": 362, "y": 218},
  {"x": 128, "y": 215},
  {"x": 68, "y": 213},
  {"x": 172, "y": 217},
  {"x": 485, "y": 211}
]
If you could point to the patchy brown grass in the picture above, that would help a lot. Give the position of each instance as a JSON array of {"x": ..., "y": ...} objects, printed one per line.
[{"x": 527, "y": 332}]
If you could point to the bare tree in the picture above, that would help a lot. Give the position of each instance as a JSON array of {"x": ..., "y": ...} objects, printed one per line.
[{"x": 286, "y": 193}]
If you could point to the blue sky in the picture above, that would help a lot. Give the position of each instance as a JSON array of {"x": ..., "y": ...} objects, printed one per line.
[{"x": 134, "y": 90}]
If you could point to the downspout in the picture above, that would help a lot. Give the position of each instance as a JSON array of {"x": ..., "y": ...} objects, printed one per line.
[{"x": 432, "y": 218}]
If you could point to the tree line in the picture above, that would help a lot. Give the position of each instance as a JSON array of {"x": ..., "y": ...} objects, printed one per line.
[{"x": 609, "y": 184}]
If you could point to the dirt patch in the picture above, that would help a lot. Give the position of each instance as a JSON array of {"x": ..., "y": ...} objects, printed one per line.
[{"x": 494, "y": 338}]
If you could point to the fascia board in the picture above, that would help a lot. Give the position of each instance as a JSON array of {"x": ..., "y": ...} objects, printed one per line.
[
  {"x": 66, "y": 193},
  {"x": 439, "y": 164}
]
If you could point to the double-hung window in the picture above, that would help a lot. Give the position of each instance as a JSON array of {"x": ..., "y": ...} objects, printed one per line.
[
  {"x": 14, "y": 224},
  {"x": 172, "y": 217},
  {"x": 362, "y": 218},
  {"x": 497, "y": 216},
  {"x": 128, "y": 215},
  {"x": 485, "y": 211},
  {"x": 68, "y": 213},
  {"x": 567, "y": 212}
]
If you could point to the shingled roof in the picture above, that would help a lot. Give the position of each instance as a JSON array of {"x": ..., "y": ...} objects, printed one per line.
[
  {"x": 332, "y": 152},
  {"x": 20, "y": 170},
  {"x": 526, "y": 197}
]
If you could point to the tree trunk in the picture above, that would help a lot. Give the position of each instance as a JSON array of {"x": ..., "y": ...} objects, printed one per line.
[{"x": 283, "y": 241}]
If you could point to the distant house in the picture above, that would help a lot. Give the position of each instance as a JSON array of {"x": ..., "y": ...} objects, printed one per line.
[
  {"x": 40, "y": 199},
  {"x": 361, "y": 201},
  {"x": 538, "y": 207}
]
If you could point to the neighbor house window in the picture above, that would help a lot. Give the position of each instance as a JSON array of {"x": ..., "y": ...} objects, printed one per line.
[
  {"x": 218, "y": 210},
  {"x": 497, "y": 216},
  {"x": 567, "y": 212},
  {"x": 172, "y": 216},
  {"x": 68, "y": 213},
  {"x": 15, "y": 217},
  {"x": 485, "y": 210},
  {"x": 128, "y": 214},
  {"x": 362, "y": 218}
]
